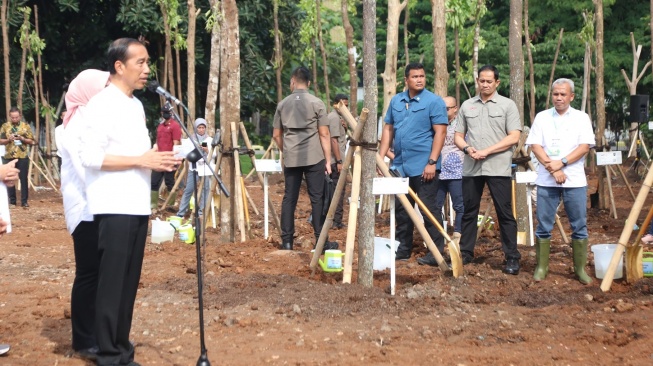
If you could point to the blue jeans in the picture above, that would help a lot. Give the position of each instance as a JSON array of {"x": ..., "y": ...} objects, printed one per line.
[
  {"x": 575, "y": 201},
  {"x": 455, "y": 189},
  {"x": 192, "y": 180}
]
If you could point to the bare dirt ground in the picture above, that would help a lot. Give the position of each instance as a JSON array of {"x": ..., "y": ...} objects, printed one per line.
[{"x": 263, "y": 306}]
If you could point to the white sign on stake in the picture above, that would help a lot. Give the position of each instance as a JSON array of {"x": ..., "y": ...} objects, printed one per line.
[
  {"x": 268, "y": 165},
  {"x": 526, "y": 177},
  {"x": 608, "y": 158},
  {"x": 390, "y": 185}
]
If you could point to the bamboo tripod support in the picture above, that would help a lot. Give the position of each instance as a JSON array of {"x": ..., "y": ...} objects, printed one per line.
[
  {"x": 240, "y": 214},
  {"x": 353, "y": 214},
  {"x": 259, "y": 175},
  {"x": 328, "y": 221},
  {"x": 633, "y": 254},
  {"x": 180, "y": 177}
]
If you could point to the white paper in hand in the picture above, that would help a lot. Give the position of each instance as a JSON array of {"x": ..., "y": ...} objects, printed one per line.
[{"x": 4, "y": 206}]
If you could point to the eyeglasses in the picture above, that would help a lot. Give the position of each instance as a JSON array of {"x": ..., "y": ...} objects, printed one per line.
[{"x": 450, "y": 108}]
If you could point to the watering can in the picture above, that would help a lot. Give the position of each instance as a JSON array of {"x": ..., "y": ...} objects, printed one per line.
[
  {"x": 332, "y": 261},
  {"x": 186, "y": 233},
  {"x": 175, "y": 221}
]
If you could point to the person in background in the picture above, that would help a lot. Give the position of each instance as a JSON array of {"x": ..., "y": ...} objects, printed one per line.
[
  {"x": 118, "y": 160},
  {"x": 416, "y": 125},
  {"x": 648, "y": 238},
  {"x": 17, "y": 135},
  {"x": 58, "y": 129},
  {"x": 79, "y": 220},
  {"x": 301, "y": 131},
  {"x": 451, "y": 177},
  {"x": 560, "y": 138},
  {"x": 202, "y": 138},
  {"x": 488, "y": 130},
  {"x": 338, "y": 133},
  {"x": 168, "y": 134}
]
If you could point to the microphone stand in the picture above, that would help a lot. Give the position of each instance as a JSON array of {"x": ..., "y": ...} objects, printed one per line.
[{"x": 193, "y": 157}]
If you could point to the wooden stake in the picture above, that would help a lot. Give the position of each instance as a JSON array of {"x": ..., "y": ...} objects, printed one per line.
[
  {"x": 250, "y": 200},
  {"x": 237, "y": 193},
  {"x": 562, "y": 230},
  {"x": 42, "y": 173},
  {"x": 180, "y": 176},
  {"x": 481, "y": 227},
  {"x": 242, "y": 186},
  {"x": 353, "y": 215},
  {"x": 623, "y": 176}
]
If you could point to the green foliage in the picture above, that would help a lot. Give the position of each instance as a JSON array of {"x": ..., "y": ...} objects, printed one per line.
[
  {"x": 140, "y": 16},
  {"x": 308, "y": 30},
  {"x": 72, "y": 5}
]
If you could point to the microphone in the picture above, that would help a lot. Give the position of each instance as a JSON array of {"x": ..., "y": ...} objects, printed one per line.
[
  {"x": 154, "y": 87},
  {"x": 217, "y": 138}
]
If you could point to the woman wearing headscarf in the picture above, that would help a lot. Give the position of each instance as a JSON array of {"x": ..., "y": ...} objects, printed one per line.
[
  {"x": 202, "y": 138},
  {"x": 79, "y": 221}
]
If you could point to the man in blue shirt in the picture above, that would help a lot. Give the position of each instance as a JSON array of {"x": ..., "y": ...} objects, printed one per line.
[{"x": 416, "y": 123}]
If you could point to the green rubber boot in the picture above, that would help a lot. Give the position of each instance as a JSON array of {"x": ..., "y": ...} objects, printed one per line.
[
  {"x": 173, "y": 199},
  {"x": 542, "y": 250},
  {"x": 154, "y": 200},
  {"x": 579, "y": 247}
]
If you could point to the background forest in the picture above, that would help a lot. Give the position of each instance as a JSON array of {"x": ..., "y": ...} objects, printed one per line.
[{"x": 63, "y": 37}]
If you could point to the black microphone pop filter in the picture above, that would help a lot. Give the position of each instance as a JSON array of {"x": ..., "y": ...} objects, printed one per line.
[{"x": 152, "y": 85}]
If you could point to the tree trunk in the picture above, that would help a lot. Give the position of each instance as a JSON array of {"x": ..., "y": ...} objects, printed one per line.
[
  {"x": 179, "y": 93},
  {"x": 351, "y": 57},
  {"x": 214, "y": 70},
  {"x": 48, "y": 135},
  {"x": 23, "y": 62},
  {"x": 456, "y": 36},
  {"x": 477, "y": 36},
  {"x": 325, "y": 67},
  {"x": 441, "y": 75},
  {"x": 389, "y": 75},
  {"x": 314, "y": 60},
  {"x": 600, "y": 99},
  {"x": 366, "y": 212},
  {"x": 229, "y": 106},
  {"x": 586, "y": 76},
  {"x": 406, "y": 19},
  {"x": 168, "y": 71},
  {"x": 5, "y": 55},
  {"x": 278, "y": 55},
  {"x": 190, "y": 55},
  {"x": 531, "y": 70}
]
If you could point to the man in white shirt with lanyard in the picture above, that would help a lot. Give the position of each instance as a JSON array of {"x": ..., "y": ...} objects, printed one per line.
[
  {"x": 118, "y": 159},
  {"x": 560, "y": 138}
]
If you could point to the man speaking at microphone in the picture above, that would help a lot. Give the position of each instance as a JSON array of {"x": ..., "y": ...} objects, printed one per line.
[{"x": 118, "y": 161}]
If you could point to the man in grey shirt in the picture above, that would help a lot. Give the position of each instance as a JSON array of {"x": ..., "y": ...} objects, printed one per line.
[
  {"x": 301, "y": 131},
  {"x": 338, "y": 146},
  {"x": 492, "y": 126}
]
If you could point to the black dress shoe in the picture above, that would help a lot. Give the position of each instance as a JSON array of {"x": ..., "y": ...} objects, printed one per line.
[
  {"x": 25, "y": 205},
  {"x": 512, "y": 266},
  {"x": 286, "y": 246},
  {"x": 467, "y": 260},
  {"x": 330, "y": 245},
  {"x": 88, "y": 353},
  {"x": 427, "y": 260},
  {"x": 402, "y": 257},
  {"x": 338, "y": 225}
]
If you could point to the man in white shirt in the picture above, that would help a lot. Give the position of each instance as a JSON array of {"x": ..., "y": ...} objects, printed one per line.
[
  {"x": 118, "y": 161},
  {"x": 560, "y": 139}
]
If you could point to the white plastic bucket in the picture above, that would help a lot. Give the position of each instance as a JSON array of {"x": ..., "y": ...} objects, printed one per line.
[
  {"x": 162, "y": 231},
  {"x": 602, "y": 257},
  {"x": 382, "y": 253}
]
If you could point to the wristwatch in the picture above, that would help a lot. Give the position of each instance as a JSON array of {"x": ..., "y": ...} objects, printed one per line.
[
  {"x": 432, "y": 162},
  {"x": 338, "y": 161},
  {"x": 564, "y": 161},
  {"x": 465, "y": 150}
]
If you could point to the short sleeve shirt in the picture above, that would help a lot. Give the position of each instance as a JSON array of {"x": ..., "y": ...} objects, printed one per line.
[
  {"x": 337, "y": 130},
  {"x": 412, "y": 120},
  {"x": 166, "y": 134},
  {"x": 299, "y": 115},
  {"x": 559, "y": 135},
  {"x": 16, "y": 149},
  {"x": 484, "y": 125},
  {"x": 452, "y": 156}
]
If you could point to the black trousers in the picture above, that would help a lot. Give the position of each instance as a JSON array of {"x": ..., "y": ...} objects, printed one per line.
[
  {"x": 121, "y": 246},
  {"x": 426, "y": 191},
  {"x": 82, "y": 299},
  {"x": 335, "y": 175},
  {"x": 157, "y": 177},
  {"x": 501, "y": 192},
  {"x": 314, "y": 175},
  {"x": 23, "y": 165}
]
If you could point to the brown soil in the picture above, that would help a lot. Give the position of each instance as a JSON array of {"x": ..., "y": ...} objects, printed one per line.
[{"x": 263, "y": 306}]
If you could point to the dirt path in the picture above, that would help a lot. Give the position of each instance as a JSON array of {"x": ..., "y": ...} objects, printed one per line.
[{"x": 263, "y": 306}]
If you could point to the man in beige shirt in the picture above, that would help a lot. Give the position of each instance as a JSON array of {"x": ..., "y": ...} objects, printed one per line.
[
  {"x": 488, "y": 129},
  {"x": 301, "y": 131}
]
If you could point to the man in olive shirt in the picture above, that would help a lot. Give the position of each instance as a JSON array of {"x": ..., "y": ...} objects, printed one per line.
[
  {"x": 301, "y": 131},
  {"x": 338, "y": 146},
  {"x": 492, "y": 127}
]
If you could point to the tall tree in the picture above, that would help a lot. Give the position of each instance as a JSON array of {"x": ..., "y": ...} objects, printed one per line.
[
  {"x": 190, "y": 56},
  {"x": 600, "y": 100},
  {"x": 531, "y": 70},
  {"x": 278, "y": 55},
  {"x": 5, "y": 56},
  {"x": 325, "y": 66},
  {"x": 351, "y": 58},
  {"x": 229, "y": 107},
  {"x": 368, "y": 157},
  {"x": 441, "y": 74},
  {"x": 395, "y": 7}
]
